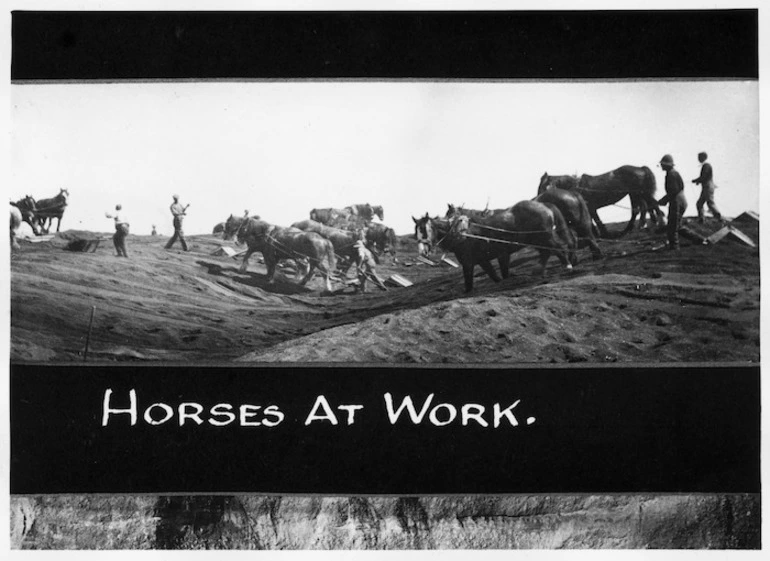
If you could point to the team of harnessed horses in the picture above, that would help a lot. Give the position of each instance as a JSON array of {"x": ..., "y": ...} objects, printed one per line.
[
  {"x": 330, "y": 240},
  {"x": 559, "y": 220},
  {"x": 38, "y": 214}
]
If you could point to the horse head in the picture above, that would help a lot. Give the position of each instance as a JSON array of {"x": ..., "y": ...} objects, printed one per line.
[
  {"x": 545, "y": 182},
  {"x": 378, "y": 210},
  {"x": 231, "y": 226},
  {"x": 64, "y": 194},
  {"x": 422, "y": 228}
]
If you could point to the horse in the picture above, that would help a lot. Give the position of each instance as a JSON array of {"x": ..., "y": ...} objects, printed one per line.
[
  {"x": 15, "y": 223},
  {"x": 328, "y": 215},
  {"x": 366, "y": 211},
  {"x": 276, "y": 243},
  {"x": 476, "y": 241},
  {"x": 563, "y": 235},
  {"x": 575, "y": 211},
  {"x": 343, "y": 240},
  {"x": 609, "y": 188},
  {"x": 452, "y": 211},
  {"x": 380, "y": 239},
  {"x": 48, "y": 209},
  {"x": 350, "y": 222},
  {"x": 423, "y": 232},
  {"x": 27, "y": 207}
]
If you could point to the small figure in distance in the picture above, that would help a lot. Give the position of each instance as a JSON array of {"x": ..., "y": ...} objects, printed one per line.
[{"x": 154, "y": 231}]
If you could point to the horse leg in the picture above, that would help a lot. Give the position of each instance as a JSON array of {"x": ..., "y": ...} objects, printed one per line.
[
  {"x": 567, "y": 257},
  {"x": 328, "y": 276},
  {"x": 489, "y": 270},
  {"x": 271, "y": 266},
  {"x": 636, "y": 204},
  {"x": 58, "y": 222},
  {"x": 655, "y": 212},
  {"x": 345, "y": 266},
  {"x": 504, "y": 261},
  {"x": 596, "y": 251},
  {"x": 468, "y": 276},
  {"x": 302, "y": 266},
  {"x": 601, "y": 230},
  {"x": 309, "y": 274},
  {"x": 245, "y": 263},
  {"x": 545, "y": 254}
]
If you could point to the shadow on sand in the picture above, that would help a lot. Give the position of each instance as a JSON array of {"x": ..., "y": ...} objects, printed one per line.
[{"x": 281, "y": 284}]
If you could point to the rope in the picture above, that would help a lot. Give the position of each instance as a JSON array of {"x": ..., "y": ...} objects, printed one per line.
[{"x": 465, "y": 235}]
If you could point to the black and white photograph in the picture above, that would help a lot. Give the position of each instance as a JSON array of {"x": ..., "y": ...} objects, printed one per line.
[{"x": 384, "y": 280}]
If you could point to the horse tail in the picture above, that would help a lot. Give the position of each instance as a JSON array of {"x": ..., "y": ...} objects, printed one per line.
[
  {"x": 649, "y": 185},
  {"x": 584, "y": 215},
  {"x": 649, "y": 188}
]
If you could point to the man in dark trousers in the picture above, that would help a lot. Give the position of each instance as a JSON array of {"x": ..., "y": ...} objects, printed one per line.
[
  {"x": 706, "y": 181},
  {"x": 121, "y": 231},
  {"x": 179, "y": 213},
  {"x": 675, "y": 200}
]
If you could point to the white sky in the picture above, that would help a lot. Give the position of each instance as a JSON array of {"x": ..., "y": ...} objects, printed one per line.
[{"x": 280, "y": 149}]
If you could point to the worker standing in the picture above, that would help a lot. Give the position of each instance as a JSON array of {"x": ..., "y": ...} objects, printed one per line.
[{"x": 179, "y": 213}]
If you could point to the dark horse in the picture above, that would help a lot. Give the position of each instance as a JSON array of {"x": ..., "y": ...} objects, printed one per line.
[
  {"x": 48, "y": 209},
  {"x": 479, "y": 240},
  {"x": 276, "y": 243},
  {"x": 27, "y": 208},
  {"x": 380, "y": 238},
  {"x": 609, "y": 188},
  {"x": 575, "y": 211},
  {"x": 344, "y": 241},
  {"x": 562, "y": 233}
]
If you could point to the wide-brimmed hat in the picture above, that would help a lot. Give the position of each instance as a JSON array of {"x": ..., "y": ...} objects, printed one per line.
[{"x": 667, "y": 159}]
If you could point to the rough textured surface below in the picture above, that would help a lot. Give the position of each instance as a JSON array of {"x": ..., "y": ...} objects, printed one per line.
[{"x": 497, "y": 522}]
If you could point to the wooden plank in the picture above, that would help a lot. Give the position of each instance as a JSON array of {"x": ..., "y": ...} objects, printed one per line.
[
  {"x": 747, "y": 216},
  {"x": 718, "y": 235},
  {"x": 450, "y": 262},
  {"x": 224, "y": 250},
  {"x": 736, "y": 233},
  {"x": 398, "y": 280},
  {"x": 426, "y": 261}
]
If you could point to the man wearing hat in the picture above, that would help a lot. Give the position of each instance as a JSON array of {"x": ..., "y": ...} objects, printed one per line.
[
  {"x": 675, "y": 200},
  {"x": 706, "y": 181},
  {"x": 121, "y": 230},
  {"x": 179, "y": 213}
]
